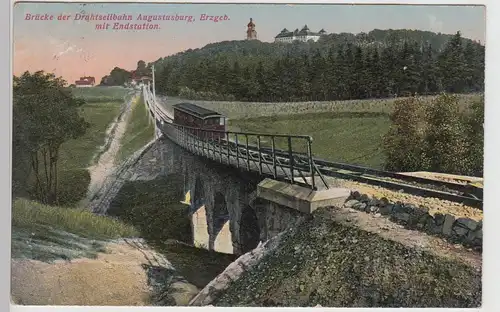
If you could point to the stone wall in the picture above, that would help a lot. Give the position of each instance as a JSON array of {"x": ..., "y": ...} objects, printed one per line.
[
  {"x": 275, "y": 218},
  {"x": 464, "y": 231}
]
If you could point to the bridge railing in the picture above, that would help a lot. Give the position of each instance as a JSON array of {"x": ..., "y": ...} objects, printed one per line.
[{"x": 283, "y": 157}]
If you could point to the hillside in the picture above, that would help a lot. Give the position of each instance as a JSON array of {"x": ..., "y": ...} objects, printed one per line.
[
  {"x": 379, "y": 64},
  {"x": 346, "y": 259},
  {"x": 235, "y": 49}
]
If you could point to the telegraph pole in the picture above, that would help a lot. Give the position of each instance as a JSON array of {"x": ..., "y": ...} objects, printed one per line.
[
  {"x": 155, "y": 113},
  {"x": 154, "y": 100}
]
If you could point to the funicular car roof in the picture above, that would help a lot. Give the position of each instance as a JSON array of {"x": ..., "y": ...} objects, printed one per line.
[{"x": 196, "y": 110}]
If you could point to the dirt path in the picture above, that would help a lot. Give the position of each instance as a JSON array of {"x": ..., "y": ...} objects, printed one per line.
[
  {"x": 107, "y": 155},
  {"x": 128, "y": 274}
]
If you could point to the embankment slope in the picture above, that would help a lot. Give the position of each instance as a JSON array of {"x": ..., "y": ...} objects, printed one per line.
[{"x": 358, "y": 262}]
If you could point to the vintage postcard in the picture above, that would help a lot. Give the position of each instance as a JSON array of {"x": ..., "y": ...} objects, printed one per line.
[{"x": 261, "y": 155}]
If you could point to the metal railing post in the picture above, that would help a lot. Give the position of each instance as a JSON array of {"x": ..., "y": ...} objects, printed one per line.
[
  {"x": 248, "y": 153},
  {"x": 198, "y": 141},
  {"x": 182, "y": 137},
  {"x": 237, "y": 150},
  {"x": 310, "y": 156},
  {"x": 207, "y": 144},
  {"x": 260, "y": 157},
  {"x": 275, "y": 170},
  {"x": 203, "y": 143},
  {"x": 227, "y": 149},
  {"x": 212, "y": 143},
  {"x": 220, "y": 147},
  {"x": 290, "y": 155}
]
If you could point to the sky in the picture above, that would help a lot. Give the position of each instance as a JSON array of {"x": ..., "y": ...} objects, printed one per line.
[{"x": 72, "y": 48}]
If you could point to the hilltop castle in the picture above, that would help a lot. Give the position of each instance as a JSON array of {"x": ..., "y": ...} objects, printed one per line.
[{"x": 303, "y": 35}]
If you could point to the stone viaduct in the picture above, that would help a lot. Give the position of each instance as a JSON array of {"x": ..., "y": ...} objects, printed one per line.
[{"x": 231, "y": 210}]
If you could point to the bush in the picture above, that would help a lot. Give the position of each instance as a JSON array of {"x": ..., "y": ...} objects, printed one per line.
[
  {"x": 474, "y": 122},
  {"x": 445, "y": 137},
  {"x": 439, "y": 136},
  {"x": 73, "y": 186},
  {"x": 404, "y": 141}
]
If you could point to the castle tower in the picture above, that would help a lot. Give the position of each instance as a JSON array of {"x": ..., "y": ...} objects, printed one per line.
[{"x": 251, "y": 33}]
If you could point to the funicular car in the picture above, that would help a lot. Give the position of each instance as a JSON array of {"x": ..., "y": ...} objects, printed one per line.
[{"x": 200, "y": 121}]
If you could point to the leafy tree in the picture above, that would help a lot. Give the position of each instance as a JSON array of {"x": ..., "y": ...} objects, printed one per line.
[
  {"x": 117, "y": 77},
  {"x": 142, "y": 69},
  {"x": 45, "y": 116}
]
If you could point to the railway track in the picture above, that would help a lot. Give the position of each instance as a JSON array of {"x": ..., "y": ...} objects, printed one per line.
[{"x": 455, "y": 192}]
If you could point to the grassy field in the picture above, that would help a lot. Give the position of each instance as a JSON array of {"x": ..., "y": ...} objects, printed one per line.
[
  {"x": 76, "y": 155},
  {"x": 345, "y": 137},
  {"x": 345, "y": 131},
  {"x": 26, "y": 213},
  {"x": 238, "y": 110},
  {"x": 154, "y": 209},
  {"x": 100, "y": 94},
  {"x": 140, "y": 130}
]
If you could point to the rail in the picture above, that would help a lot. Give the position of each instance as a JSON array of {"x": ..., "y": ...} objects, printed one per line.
[{"x": 464, "y": 194}]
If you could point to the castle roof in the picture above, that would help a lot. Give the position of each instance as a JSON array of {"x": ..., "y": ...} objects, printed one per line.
[{"x": 305, "y": 31}]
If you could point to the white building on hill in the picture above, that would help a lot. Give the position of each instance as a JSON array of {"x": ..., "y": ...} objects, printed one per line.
[{"x": 303, "y": 35}]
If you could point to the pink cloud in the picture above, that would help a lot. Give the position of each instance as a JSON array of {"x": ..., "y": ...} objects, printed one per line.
[{"x": 86, "y": 56}]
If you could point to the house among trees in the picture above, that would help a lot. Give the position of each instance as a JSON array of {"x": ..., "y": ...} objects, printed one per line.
[
  {"x": 303, "y": 35},
  {"x": 85, "y": 82},
  {"x": 136, "y": 78}
]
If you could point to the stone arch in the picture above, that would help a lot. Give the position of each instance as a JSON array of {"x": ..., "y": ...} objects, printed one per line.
[
  {"x": 198, "y": 214},
  {"x": 249, "y": 230},
  {"x": 198, "y": 197},
  {"x": 220, "y": 212},
  {"x": 221, "y": 238}
]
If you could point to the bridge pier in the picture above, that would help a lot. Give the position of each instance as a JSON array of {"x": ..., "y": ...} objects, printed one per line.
[
  {"x": 283, "y": 203},
  {"x": 300, "y": 198}
]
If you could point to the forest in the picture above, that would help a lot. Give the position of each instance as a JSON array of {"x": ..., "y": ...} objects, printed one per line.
[
  {"x": 378, "y": 64},
  {"x": 337, "y": 67}
]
